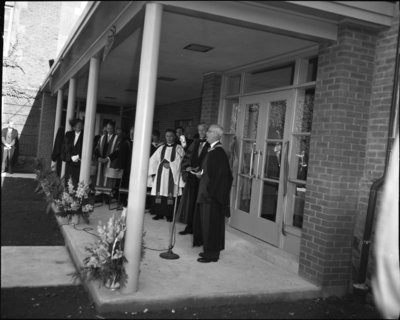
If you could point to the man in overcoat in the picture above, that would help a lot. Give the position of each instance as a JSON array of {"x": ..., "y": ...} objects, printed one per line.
[
  {"x": 9, "y": 141},
  {"x": 72, "y": 151},
  {"x": 192, "y": 162},
  {"x": 213, "y": 198}
]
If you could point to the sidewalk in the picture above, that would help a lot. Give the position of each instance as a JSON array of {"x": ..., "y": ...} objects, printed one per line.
[{"x": 248, "y": 271}]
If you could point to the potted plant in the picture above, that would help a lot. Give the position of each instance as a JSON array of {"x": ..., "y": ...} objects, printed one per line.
[
  {"x": 75, "y": 202},
  {"x": 106, "y": 259}
]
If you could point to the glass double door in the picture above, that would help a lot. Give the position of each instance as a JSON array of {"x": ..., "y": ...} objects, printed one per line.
[{"x": 263, "y": 135}]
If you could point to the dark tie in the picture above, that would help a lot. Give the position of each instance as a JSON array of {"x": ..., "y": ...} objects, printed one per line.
[{"x": 202, "y": 143}]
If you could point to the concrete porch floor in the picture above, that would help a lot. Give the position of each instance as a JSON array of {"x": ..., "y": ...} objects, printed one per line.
[{"x": 248, "y": 270}]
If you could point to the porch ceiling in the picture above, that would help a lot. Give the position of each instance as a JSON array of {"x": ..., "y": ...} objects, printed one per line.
[{"x": 232, "y": 46}]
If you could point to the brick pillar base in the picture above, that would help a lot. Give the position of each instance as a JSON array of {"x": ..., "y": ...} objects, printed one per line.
[{"x": 337, "y": 155}]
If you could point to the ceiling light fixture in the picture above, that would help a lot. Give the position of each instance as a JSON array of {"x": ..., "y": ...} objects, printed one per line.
[{"x": 198, "y": 47}]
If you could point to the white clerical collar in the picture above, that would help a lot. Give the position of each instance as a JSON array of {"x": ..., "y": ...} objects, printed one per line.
[
  {"x": 213, "y": 144},
  {"x": 77, "y": 133}
]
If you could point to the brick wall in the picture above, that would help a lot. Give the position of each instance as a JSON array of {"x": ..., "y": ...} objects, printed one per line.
[
  {"x": 37, "y": 27},
  {"x": 210, "y": 98},
  {"x": 337, "y": 153},
  {"x": 166, "y": 115},
  {"x": 382, "y": 89}
]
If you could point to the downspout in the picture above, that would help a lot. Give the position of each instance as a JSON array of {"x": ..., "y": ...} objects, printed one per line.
[{"x": 362, "y": 274}]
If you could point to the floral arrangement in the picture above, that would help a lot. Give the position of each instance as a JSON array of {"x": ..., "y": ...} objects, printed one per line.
[
  {"x": 69, "y": 201},
  {"x": 106, "y": 259},
  {"x": 75, "y": 201},
  {"x": 49, "y": 184}
]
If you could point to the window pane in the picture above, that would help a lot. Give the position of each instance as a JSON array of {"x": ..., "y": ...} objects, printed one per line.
[
  {"x": 276, "y": 122},
  {"x": 231, "y": 114},
  {"x": 312, "y": 69},
  {"x": 244, "y": 194},
  {"x": 269, "y": 201},
  {"x": 247, "y": 157},
  {"x": 272, "y": 161},
  {"x": 251, "y": 121},
  {"x": 269, "y": 78},
  {"x": 233, "y": 85},
  {"x": 298, "y": 208},
  {"x": 304, "y": 112}
]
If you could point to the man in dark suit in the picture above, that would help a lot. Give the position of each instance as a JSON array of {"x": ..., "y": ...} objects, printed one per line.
[
  {"x": 107, "y": 144},
  {"x": 9, "y": 141},
  {"x": 213, "y": 198},
  {"x": 181, "y": 139},
  {"x": 72, "y": 151},
  {"x": 192, "y": 162}
]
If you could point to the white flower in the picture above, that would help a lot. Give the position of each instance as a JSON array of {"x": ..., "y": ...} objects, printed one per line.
[
  {"x": 70, "y": 186},
  {"x": 75, "y": 206}
]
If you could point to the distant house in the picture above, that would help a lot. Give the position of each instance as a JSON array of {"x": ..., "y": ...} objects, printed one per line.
[{"x": 303, "y": 89}]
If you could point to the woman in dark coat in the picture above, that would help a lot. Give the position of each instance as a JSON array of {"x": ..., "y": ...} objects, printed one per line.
[
  {"x": 56, "y": 155},
  {"x": 72, "y": 151}
]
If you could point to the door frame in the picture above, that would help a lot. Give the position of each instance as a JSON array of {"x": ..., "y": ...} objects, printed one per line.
[{"x": 252, "y": 222}]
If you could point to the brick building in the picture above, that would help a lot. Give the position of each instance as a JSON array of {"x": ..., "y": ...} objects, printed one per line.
[
  {"x": 304, "y": 91},
  {"x": 37, "y": 30}
]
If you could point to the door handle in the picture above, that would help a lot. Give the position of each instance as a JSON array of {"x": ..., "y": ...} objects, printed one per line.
[
  {"x": 251, "y": 175},
  {"x": 258, "y": 164},
  {"x": 286, "y": 168}
]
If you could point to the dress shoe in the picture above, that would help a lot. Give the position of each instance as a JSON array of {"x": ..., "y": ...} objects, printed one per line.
[
  {"x": 201, "y": 254},
  {"x": 157, "y": 217},
  {"x": 206, "y": 260},
  {"x": 169, "y": 219}
]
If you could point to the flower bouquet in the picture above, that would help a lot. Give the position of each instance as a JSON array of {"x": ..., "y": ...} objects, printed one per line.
[
  {"x": 71, "y": 201},
  {"x": 77, "y": 201},
  {"x": 106, "y": 259},
  {"x": 49, "y": 184}
]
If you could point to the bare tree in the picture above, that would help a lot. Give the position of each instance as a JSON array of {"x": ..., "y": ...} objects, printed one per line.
[{"x": 11, "y": 88}]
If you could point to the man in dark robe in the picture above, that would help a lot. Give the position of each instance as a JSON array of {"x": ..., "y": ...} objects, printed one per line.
[
  {"x": 213, "y": 198},
  {"x": 192, "y": 162},
  {"x": 72, "y": 152},
  {"x": 57, "y": 151}
]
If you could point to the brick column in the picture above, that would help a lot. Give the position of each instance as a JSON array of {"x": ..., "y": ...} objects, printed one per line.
[
  {"x": 46, "y": 128},
  {"x": 210, "y": 97},
  {"x": 337, "y": 153},
  {"x": 382, "y": 89}
]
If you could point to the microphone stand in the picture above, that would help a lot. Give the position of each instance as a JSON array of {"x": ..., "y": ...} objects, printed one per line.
[{"x": 169, "y": 254}]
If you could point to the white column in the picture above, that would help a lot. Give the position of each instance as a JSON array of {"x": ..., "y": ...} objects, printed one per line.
[
  {"x": 71, "y": 103},
  {"x": 57, "y": 121},
  {"x": 70, "y": 111},
  {"x": 90, "y": 117},
  {"x": 143, "y": 127}
]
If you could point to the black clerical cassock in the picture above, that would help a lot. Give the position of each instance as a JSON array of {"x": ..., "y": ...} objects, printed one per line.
[{"x": 213, "y": 203}]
